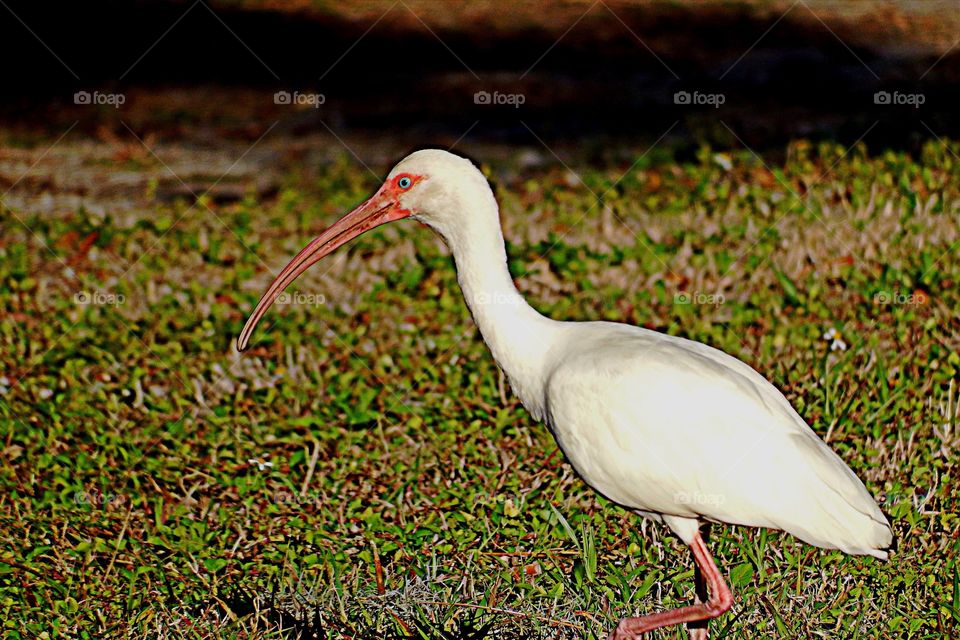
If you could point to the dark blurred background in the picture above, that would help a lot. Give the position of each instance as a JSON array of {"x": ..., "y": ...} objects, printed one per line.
[{"x": 593, "y": 75}]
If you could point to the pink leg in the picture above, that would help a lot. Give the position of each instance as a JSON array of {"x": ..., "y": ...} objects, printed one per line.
[
  {"x": 719, "y": 602},
  {"x": 698, "y": 630}
]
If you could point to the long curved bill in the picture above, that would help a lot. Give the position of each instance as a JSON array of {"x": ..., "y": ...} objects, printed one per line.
[{"x": 378, "y": 210}]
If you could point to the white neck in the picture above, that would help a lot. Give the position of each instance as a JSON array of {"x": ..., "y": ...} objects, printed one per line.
[{"x": 519, "y": 337}]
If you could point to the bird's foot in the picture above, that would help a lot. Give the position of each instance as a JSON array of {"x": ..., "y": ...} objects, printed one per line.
[
  {"x": 620, "y": 633},
  {"x": 629, "y": 630}
]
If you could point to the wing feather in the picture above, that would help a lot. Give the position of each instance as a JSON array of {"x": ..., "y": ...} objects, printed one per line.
[{"x": 669, "y": 426}]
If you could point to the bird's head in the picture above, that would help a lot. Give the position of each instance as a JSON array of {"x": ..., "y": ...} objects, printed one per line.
[
  {"x": 431, "y": 186},
  {"x": 439, "y": 189}
]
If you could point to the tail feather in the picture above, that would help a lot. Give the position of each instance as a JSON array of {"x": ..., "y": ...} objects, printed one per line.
[{"x": 856, "y": 523}]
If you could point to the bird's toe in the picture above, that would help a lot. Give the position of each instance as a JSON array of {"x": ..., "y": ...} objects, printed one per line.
[{"x": 621, "y": 633}]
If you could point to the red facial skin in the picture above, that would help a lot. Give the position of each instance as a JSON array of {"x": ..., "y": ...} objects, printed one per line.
[{"x": 395, "y": 190}]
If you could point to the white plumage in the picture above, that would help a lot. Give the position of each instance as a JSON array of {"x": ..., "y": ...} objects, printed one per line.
[{"x": 670, "y": 428}]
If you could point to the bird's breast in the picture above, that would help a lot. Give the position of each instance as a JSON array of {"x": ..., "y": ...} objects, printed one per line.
[{"x": 597, "y": 448}]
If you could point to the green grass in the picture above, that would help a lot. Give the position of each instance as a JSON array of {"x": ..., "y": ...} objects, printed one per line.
[{"x": 404, "y": 490}]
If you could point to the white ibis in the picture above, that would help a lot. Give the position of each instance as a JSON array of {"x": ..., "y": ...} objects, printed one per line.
[{"x": 672, "y": 429}]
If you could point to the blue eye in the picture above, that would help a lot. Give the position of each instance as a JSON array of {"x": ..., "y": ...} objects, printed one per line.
[{"x": 405, "y": 182}]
